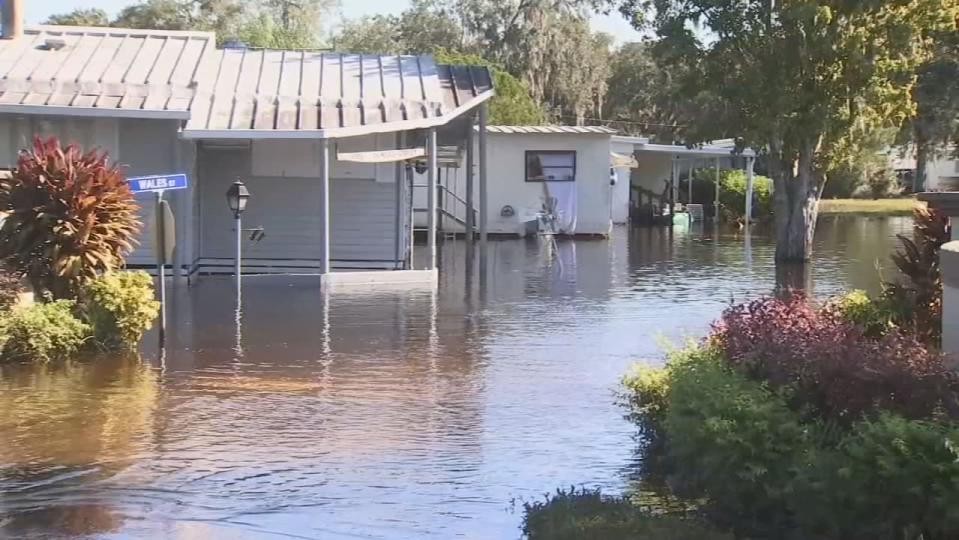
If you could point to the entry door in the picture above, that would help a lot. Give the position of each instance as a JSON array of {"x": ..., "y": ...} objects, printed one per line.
[{"x": 286, "y": 208}]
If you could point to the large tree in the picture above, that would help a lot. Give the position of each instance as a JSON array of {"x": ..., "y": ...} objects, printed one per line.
[
  {"x": 801, "y": 80},
  {"x": 81, "y": 17},
  {"x": 260, "y": 23},
  {"x": 642, "y": 95},
  {"x": 936, "y": 123},
  {"x": 428, "y": 27},
  {"x": 547, "y": 44}
]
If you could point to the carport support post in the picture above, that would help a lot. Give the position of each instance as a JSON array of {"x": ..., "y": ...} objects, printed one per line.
[
  {"x": 324, "y": 206},
  {"x": 431, "y": 198},
  {"x": 749, "y": 188},
  {"x": 483, "y": 192},
  {"x": 470, "y": 158}
]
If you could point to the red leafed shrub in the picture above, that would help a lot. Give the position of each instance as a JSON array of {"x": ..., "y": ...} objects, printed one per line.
[
  {"x": 70, "y": 217},
  {"x": 829, "y": 366}
]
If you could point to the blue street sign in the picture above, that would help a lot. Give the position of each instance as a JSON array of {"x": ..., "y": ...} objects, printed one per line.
[{"x": 158, "y": 182}]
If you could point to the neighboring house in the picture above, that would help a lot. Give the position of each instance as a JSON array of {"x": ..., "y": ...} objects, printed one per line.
[
  {"x": 655, "y": 182},
  {"x": 320, "y": 139},
  {"x": 942, "y": 171},
  {"x": 554, "y": 179}
]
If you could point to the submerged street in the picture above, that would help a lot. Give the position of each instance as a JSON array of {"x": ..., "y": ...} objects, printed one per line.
[{"x": 384, "y": 413}]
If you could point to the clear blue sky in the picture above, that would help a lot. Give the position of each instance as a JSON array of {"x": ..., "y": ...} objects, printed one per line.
[{"x": 37, "y": 11}]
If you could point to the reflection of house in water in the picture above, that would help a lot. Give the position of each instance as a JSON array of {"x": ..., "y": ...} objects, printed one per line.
[
  {"x": 66, "y": 430},
  {"x": 365, "y": 378}
]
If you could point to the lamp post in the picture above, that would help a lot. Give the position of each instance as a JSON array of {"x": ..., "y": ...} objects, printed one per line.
[{"x": 237, "y": 197}]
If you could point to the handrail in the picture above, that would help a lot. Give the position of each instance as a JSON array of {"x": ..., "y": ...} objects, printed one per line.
[{"x": 448, "y": 193}]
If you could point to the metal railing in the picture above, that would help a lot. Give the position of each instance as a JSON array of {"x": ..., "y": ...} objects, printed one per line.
[{"x": 448, "y": 204}]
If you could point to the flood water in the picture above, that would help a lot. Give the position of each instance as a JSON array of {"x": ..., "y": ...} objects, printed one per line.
[{"x": 391, "y": 414}]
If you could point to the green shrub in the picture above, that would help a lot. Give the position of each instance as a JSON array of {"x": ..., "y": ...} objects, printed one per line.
[
  {"x": 891, "y": 478},
  {"x": 734, "y": 442},
  {"x": 647, "y": 398},
  {"x": 10, "y": 289},
  {"x": 732, "y": 192},
  {"x": 588, "y": 515},
  {"x": 42, "y": 332},
  {"x": 121, "y": 307},
  {"x": 874, "y": 315}
]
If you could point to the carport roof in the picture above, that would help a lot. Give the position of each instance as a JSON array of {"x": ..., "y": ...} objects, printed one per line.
[{"x": 299, "y": 94}]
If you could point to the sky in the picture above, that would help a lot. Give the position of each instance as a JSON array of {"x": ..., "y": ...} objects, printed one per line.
[{"x": 38, "y": 11}]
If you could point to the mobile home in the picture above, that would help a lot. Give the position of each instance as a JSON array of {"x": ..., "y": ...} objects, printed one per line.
[
  {"x": 322, "y": 140},
  {"x": 554, "y": 179}
]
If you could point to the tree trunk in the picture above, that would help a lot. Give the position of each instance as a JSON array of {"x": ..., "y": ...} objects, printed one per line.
[
  {"x": 922, "y": 163},
  {"x": 796, "y": 206}
]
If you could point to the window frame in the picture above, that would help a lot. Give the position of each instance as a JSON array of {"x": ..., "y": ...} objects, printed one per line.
[{"x": 526, "y": 157}]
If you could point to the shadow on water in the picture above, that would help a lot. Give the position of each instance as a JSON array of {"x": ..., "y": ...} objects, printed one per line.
[{"x": 389, "y": 413}]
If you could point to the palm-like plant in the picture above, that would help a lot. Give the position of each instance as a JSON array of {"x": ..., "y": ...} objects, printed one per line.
[
  {"x": 70, "y": 216},
  {"x": 917, "y": 296}
]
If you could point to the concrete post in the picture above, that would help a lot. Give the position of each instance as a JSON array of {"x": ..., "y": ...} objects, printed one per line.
[
  {"x": 948, "y": 204},
  {"x": 949, "y": 266}
]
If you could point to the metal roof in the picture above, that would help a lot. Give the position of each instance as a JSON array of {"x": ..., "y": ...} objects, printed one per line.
[
  {"x": 259, "y": 93},
  {"x": 552, "y": 130},
  {"x": 719, "y": 148},
  {"x": 101, "y": 71}
]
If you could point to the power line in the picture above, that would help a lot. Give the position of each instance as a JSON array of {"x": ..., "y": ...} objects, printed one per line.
[{"x": 608, "y": 121}]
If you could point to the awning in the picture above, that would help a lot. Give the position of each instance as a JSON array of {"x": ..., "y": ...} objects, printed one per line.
[
  {"x": 623, "y": 160},
  {"x": 382, "y": 156}
]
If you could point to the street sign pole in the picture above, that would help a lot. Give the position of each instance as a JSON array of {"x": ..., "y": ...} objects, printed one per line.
[{"x": 162, "y": 218}]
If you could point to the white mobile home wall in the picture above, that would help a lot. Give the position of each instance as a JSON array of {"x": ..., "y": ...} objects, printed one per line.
[{"x": 508, "y": 186}]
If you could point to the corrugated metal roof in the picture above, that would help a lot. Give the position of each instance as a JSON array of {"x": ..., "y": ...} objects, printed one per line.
[
  {"x": 297, "y": 93},
  {"x": 595, "y": 130},
  {"x": 124, "y": 72},
  {"x": 224, "y": 93}
]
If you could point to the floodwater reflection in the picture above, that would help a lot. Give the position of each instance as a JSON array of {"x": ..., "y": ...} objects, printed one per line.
[{"x": 388, "y": 413}]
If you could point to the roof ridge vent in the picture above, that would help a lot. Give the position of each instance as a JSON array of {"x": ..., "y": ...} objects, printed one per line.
[{"x": 53, "y": 44}]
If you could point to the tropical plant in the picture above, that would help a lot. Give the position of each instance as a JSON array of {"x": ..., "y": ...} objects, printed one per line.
[
  {"x": 70, "y": 216},
  {"x": 42, "y": 332},
  {"x": 917, "y": 295},
  {"x": 120, "y": 306},
  {"x": 832, "y": 369}
]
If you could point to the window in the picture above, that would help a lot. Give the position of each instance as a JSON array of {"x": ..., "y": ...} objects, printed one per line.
[{"x": 550, "y": 166}]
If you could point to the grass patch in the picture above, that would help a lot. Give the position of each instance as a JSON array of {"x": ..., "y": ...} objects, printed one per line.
[{"x": 885, "y": 207}]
